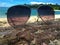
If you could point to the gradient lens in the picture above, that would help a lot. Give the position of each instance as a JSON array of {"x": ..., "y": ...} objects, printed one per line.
[
  {"x": 46, "y": 13},
  {"x": 18, "y": 15}
]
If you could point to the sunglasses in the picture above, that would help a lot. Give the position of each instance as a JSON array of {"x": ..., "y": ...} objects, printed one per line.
[{"x": 18, "y": 15}]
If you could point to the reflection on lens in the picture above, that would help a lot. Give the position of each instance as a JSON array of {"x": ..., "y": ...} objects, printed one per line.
[
  {"x": 18, "y": 15},
  {"x": 46, "y": 13}
]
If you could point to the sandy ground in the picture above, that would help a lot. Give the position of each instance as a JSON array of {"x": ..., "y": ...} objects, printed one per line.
[
  {"x": 4, "y": 22},
  {"x": 32, "y": 19}
]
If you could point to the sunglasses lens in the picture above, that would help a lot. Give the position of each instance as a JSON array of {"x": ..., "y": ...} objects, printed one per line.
[
  {"x": 18, "y": 15},
  {"x": 46, "y": 13}
]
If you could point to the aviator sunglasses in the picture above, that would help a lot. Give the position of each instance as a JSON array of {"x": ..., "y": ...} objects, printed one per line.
[{"x": 18, "y": 15}]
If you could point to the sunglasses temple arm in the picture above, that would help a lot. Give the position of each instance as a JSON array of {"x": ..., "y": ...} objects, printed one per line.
[{"x": 42, "y": 20}]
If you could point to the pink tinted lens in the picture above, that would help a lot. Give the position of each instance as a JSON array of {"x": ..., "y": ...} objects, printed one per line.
[
  {"x": 46, "y": 13},
  {"x": 18, "y": 15}
]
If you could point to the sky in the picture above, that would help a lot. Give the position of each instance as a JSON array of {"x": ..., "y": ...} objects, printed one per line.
[{"x": 8, "y": 3}]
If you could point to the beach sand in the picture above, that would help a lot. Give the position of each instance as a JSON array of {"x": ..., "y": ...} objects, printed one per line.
[
  {"x": 57, "y": 16},
  {"x": 4, "y": 23},
  {"x": 32, "y": 19}
]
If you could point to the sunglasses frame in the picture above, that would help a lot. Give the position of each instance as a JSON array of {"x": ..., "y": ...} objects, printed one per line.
[
  {"x": 39, "y": 16},
  {"x": 11, "y": 21}
]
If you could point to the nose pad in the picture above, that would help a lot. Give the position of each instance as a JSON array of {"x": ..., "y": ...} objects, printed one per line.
[
  {"x": 18, "y": 15},
  {"x": 46, "y": 13}
]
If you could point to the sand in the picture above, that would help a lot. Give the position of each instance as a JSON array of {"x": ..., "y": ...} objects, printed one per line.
[
  {"x": 32, "y": 19},
  {"x": 57, "y": 16},
  {"x": 5, "y": 23}
]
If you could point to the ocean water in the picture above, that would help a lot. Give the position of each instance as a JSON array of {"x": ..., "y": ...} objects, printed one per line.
[
  {"x": 3, "y": 11},
  {"x": 34, "y": 12}
]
